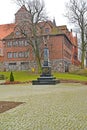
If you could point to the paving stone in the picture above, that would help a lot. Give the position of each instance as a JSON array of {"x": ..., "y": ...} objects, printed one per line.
[{"x": 55, "y": 107}]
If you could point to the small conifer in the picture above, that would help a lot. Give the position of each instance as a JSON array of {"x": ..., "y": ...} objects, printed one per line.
[{"x": 11, "y": 77}]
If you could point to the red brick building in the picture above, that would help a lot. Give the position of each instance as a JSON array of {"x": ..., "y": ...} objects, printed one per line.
[{"x": 18, "y": 55}]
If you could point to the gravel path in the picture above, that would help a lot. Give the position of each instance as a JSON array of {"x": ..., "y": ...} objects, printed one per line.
[{"x": 50, "y": 107}]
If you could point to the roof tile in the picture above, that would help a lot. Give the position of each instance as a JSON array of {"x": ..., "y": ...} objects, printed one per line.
[{"x": 6, "y": 29}]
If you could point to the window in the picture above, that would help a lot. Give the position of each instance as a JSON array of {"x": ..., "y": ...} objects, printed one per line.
[
  {"x": 26, "y": 54},
  {"x": 21, "y": 43},
  {"x": 12, "y": 63},
  {"x": 9, "y": 44},
  {"x": 75, "y": 56},
  {"x": 14, "y": 43},
  {"x": 12, "y": 66},
  {"x": 17, "y": 33},
  {"x": 46, "y": 30},
  {"x": 23, "y": 54},
  {"x": 9, "y": 55},
  {"x": 25, "y": 31},
  {"x": 20, "y": 54},
  {"x": 26, "y": 43},
  {"x": 24, "y": 65},
  {"x": 15, "y": 54}
]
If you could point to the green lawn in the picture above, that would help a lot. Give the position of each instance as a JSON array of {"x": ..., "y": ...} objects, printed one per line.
[
  {"x": 21, "y": 75},
  {"x": 27, "y": 76},
  {"x": 68, "y": 76}
]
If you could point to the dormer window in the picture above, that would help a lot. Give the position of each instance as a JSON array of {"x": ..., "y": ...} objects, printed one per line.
[
  {"x": 17, "y": 33},
  {"x": 46, "y": 30}
]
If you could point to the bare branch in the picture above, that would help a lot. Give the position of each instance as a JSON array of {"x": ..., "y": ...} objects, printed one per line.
[
  {"x": 76, "y": 12},
  {"x": 37, "y": 13}
]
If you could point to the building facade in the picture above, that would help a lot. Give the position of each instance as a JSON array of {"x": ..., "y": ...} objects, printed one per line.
[{"x": 18, "y": 54}]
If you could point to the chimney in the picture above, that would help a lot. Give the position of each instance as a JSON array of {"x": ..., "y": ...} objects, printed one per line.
[{"x": 54, "y": 22}]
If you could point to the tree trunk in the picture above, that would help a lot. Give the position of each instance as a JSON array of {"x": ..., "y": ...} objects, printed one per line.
[
  {"x": 39, "y": 64},
  {"x": 83, "y": 47},
  {"x": 82, "y": 60}
]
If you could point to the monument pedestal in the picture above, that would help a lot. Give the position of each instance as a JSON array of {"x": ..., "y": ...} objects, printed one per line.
[{"x": 45, "y": 78}]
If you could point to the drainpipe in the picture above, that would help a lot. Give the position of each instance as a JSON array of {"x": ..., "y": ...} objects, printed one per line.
[{"x": 62, "y": 50}]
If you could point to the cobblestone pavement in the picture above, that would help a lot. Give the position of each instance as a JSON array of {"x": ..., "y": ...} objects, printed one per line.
[{"x": 49, "y": 107}]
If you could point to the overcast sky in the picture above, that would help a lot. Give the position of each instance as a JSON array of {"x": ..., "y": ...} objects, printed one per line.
[{"x": 55, "y": 9}]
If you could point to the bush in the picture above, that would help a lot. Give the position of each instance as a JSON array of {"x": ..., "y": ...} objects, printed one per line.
[
  {"x": 2, "y": 77},
  {"x": 11, "y": 77}
]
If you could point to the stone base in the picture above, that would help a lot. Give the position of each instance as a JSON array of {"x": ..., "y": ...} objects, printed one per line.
[
  {"x": 45, "y": 80},
  {"x": 46, "y": 71}
]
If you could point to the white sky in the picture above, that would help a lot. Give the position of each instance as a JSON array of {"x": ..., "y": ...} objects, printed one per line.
[{"x": 55, "y": 9}]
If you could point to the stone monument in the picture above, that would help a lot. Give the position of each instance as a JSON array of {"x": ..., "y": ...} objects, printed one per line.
[{"x": 46, "y": 78}]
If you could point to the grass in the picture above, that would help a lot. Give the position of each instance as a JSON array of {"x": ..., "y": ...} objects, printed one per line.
[
  {"x": 68, "y": 76},
  {"x": 28, "y": 76},
  {"x": 20, "y": 75}
]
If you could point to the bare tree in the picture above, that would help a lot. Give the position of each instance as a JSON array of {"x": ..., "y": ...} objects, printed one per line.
[
  {"x": 76, "y": 12},
  {"x": 30, "y": 27}
]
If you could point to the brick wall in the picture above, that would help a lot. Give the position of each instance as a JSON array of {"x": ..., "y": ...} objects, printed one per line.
[{"x": 57, "y": 46}]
